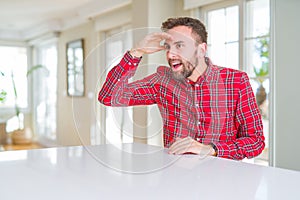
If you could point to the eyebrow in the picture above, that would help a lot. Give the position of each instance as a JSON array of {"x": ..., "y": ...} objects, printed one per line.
[{"x": 178, "y": 42}]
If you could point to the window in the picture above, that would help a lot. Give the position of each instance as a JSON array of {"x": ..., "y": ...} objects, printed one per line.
[
  {"x": 45, "y": 92},
  {"x": 239, "y": 38},
  {"x": 13, "y": 67},
  {"x": 119, "y": 120},
  {"x": 224, "y": 20},
  {"x": 13, "y": 62}
]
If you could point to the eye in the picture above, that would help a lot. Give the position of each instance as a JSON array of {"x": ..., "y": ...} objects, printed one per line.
[
  {"x": 179, "y": 45},
  {"x": 167, "y": 46}
]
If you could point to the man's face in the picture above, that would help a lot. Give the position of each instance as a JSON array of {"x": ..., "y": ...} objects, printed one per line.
[{"x": 182, "y": 52}]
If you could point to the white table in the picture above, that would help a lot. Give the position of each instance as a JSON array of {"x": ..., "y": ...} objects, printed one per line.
[{"x": 137, "y": 171}]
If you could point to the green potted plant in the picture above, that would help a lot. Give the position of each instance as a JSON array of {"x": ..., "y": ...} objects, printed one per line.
[
  {"x": 3, "y": 94},
  {"x": 262, "y": 71}
]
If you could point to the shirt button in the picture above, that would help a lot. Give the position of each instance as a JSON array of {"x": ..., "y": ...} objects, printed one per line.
[
  {"x": 196, "y": 85},
  {"x": 197, "y": 105},
  {"x": 118, "y": 79},
  {"x": 198, "y": 123},
  {"x": 129, "y": 63}
]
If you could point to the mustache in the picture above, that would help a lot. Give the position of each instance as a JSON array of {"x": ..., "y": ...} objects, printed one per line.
[{"x": 172, "y": 60}]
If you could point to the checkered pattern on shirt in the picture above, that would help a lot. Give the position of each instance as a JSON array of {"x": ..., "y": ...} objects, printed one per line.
[{"x": 219, "y": 108}]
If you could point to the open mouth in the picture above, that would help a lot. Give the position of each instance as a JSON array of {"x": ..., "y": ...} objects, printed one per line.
[{"x": 175, "y": 64}]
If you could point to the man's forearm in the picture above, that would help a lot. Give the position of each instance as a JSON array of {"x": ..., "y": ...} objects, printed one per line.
[{"x": 116, "y": 77}]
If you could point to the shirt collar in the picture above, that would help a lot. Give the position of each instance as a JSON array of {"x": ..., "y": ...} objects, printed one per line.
[{"x": 208, "y": 74}]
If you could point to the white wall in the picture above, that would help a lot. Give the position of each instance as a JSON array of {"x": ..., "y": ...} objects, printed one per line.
[
  {"x": 286, "y": 70},
  {"x": 74, "y": 114}
]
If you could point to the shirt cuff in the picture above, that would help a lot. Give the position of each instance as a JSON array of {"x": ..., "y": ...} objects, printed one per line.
[
  {"x": 132, "y": 58},
  {"x": 128, "y": 62},
  {"x": 224, "y": 150}
]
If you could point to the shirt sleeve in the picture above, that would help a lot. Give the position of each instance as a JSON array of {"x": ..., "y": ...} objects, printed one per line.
[
  {"x": 117, "y": 91},
  {"x": 250, "y": 139}
]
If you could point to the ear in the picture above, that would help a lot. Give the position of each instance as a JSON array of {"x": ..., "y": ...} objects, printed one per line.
[{"x": 202, "y": 48}]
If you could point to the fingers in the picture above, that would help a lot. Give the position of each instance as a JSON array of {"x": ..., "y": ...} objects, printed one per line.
[
  {"x": 181, "y": 146},
  {"x": 162, "y": 36},
  {"x": 189, "y": 145},
  {"x": 153, "y": 42}
]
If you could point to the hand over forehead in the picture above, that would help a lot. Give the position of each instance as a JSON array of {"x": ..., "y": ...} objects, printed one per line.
[{"x": 159, "y": 37}]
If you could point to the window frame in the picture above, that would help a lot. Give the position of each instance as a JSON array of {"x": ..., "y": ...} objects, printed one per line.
[
  {"x": 223, "y": 4},
  {"x": 115, "y": 34},
  {"x": 37, "y": 50},
  {"x": 202, "y": 13}
]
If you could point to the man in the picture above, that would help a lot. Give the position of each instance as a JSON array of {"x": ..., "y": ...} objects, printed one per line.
[{"x": 206, "y": 109}]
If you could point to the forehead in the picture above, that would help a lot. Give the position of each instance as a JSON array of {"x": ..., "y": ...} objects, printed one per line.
[{"x": 181, "y": 33}]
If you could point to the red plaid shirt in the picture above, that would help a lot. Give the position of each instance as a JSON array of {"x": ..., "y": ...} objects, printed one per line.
[{"x": 218, "y": 109}]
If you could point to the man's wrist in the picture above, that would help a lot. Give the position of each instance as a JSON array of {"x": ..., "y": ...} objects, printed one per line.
[{"x": 135, "y": 53}]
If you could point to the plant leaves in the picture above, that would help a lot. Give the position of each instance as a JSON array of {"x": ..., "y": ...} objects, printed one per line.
[
  {"x": 2, "y": 95},
  {"x": 36, "y": 67}
]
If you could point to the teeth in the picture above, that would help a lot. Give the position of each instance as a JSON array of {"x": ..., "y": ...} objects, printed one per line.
[
  {"x": 176, "y": 62},
  {"x": 176, "y": 66}
]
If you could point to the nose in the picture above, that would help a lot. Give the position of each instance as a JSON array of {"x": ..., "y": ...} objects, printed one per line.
[{"x": 172, "y": 53}]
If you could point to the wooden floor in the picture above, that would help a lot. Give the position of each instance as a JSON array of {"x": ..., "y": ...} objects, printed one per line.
[
  {"x": 7, "y": 144},
  {"x": 9, "y": 147}
]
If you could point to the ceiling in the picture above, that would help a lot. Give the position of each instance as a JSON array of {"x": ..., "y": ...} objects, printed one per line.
[{"x": 21, "y": 20}]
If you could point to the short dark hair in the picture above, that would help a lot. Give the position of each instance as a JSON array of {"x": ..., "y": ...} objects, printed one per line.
[{"x": 197, "y": 26}]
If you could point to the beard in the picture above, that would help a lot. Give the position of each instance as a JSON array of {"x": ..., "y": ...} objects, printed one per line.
[
  {"x": 187, "y": 68},
  {"x": 187, "y": 71}
]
